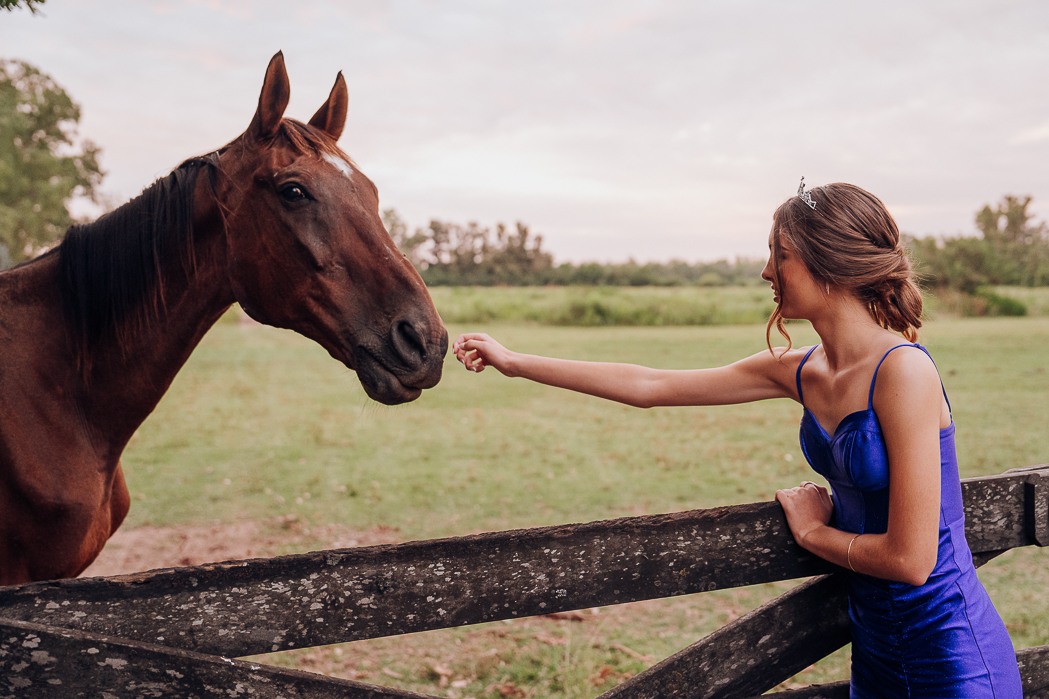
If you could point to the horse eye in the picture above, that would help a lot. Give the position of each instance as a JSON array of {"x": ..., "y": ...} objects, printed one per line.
[{"x": 294, "y": 192}]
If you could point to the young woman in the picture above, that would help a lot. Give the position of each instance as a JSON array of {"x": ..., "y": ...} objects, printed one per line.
[{"x": 876, "y": 425}]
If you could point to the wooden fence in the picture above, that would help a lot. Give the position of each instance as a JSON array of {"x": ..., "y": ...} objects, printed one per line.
[{"x": 171, "y": 633}]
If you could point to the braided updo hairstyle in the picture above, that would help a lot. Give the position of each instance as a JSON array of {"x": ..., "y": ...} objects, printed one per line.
[{"x": 850, "y": 241}]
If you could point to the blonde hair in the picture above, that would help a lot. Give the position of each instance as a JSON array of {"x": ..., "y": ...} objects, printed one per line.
[{"x": 850, "y": 241}]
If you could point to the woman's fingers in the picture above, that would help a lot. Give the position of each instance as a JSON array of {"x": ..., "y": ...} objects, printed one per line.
[
  {"x": 470, "y": 357},
  {"x": 469, "y": 341},
  {"x": 462, "y": 344},
  {"x": 806, "y": 495},
  {"x": 470, "y": 350},
  {"x": 477, "y": 351}
]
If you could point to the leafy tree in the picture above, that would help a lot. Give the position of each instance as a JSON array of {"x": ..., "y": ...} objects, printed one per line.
[
  {"x": 31, "y": 5},
  {"x": 963, "y": 263},
  {"x": 1022, "y": 246},
  {"x": 42, "y": 161},
  {"x": 1010, "y": 250},
  {"x": 516, "y": 259}
]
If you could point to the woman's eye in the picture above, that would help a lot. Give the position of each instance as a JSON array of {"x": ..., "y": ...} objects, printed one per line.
[{"x": 294, "y": 192}]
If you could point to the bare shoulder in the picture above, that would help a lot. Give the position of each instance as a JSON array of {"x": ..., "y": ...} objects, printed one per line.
[
  {"x": 912, "y": 410},
  {"x": 909, "y": 374}
]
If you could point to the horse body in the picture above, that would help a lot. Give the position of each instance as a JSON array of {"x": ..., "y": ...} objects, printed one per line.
[
  {"x": 59, "y": 498},
  {"x": 93, "y": 333}
]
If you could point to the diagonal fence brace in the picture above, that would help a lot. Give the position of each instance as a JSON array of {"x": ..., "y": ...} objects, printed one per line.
[
  {"x": 754, "y": 653},
  {"x": 759, "y": 650},
  {"x": 46, "y": 662}
]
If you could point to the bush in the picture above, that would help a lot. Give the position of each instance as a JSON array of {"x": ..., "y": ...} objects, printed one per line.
[
  {"x": 985, "y": 301},
  {"x": 997, "y": 305}
]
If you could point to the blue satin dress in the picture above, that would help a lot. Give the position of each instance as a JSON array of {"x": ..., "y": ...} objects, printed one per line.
[{"x": 943, "y": 639}]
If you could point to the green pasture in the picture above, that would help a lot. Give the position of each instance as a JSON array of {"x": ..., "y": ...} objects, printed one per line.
[
  {"x": 261, "y": 423},
  {"x": 585, "y": 306},
  {"x": 588, "y": 306}
]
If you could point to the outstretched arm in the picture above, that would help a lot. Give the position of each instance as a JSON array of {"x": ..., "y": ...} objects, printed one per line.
[
  {"x": 757, "y": 377},
  {"x": 909, "y": 404}
]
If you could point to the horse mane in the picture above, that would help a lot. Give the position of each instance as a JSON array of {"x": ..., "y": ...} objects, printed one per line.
[{"x": 110, "y": 270}]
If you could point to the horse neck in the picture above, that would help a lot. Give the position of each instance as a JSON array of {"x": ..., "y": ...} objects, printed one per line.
[{"x": 127, "y": 379}]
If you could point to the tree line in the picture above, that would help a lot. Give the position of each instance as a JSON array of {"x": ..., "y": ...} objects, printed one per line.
[
  {"x": 1010, "y": 249},
  {"x": 451, "y": 254},
  {"x": 44, "y": 164}
]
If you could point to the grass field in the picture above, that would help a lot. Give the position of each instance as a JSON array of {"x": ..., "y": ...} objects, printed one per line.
[
  {"x": 582, "y": 306},
  {"x": 262, "y": 423}
]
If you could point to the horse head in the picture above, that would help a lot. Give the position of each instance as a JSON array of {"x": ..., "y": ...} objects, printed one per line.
[{"x": 308, "y": 251}]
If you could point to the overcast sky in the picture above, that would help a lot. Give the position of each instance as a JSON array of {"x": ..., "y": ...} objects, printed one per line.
[{"x": 652, "y": 130}]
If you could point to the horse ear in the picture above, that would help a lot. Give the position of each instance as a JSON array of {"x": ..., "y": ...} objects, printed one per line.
[
  {"x": 331, "y": 117},
  {"x": 276, "y": 91}
]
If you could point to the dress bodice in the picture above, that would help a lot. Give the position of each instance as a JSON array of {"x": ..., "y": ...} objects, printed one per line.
[{"x": 855, "y": 462}]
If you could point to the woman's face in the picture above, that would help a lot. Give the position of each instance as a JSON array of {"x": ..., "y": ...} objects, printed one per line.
[{"x": 793, "y": 286}]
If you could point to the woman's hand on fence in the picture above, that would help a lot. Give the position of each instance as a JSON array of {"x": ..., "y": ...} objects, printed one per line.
[
  {"x": 478, "y": 350},
  {"x": 807, "y": 507}
]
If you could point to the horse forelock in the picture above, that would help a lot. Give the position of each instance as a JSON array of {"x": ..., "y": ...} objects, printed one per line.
[
  {"x": 110, "y": 277},
  {"x": 308, "y": 139}
]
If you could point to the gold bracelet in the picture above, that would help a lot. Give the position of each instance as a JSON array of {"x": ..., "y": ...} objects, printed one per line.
[{"x": 848, "y": 554}]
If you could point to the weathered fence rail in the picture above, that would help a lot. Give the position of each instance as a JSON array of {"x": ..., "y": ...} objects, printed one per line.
[{"x": 165, "y": 628}]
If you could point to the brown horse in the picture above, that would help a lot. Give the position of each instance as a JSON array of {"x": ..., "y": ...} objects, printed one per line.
[{"x": 93, "y": 332}]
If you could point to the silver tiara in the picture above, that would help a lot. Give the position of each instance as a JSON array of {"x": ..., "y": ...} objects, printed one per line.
[{"x": 805, "y": 196}]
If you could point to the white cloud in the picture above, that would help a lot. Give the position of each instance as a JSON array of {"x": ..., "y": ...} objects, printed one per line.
[{"x": 1038, "y": 134}]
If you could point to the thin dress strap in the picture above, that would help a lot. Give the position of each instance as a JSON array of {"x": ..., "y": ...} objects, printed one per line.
[
  {"x": 870, "y": 398},
  {"x": 797, "y": 377}
]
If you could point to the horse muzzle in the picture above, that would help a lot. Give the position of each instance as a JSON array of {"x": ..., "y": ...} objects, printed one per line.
[{"x": 409, "y": 359}]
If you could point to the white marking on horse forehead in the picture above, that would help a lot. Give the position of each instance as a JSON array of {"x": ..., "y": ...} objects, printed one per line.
[{"x": 340, "y": 163}]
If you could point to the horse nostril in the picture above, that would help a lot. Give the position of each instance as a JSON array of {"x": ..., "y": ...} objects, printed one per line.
[{"x": 409, "y": 345}]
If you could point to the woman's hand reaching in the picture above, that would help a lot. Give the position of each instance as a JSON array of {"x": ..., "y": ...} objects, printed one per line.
[
  {"x": 755, "y": 378},
  {"x": 478, "y": 350}
]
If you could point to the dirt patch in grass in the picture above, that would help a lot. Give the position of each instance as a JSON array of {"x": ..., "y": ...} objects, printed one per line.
[{"x": 149, "y": 548}]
